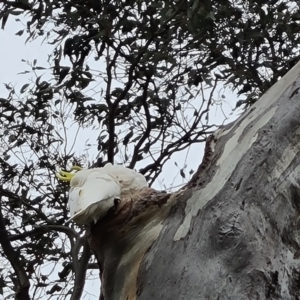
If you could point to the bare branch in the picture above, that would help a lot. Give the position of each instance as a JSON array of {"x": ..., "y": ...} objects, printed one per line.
[
  {"x": 148, "y": 128},
  {"x": 80, "y": 271},
  {"x": 22, "y": 292},
  {"x": 45, "y": 228},
  {"x": 111, "y": 127},
  {"x": 10, "y": 194}
]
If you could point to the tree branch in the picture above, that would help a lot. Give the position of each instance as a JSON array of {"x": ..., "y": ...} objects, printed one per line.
[
  {"x": 10, "y": 194},
  {"x": 80, "y": 271},
  {"x": 22, "y": 292},
  {"x": 148, "y": 128},
  {"x": 44, "y": 228},
  {"x": 186, "y": 138},
  {"x": 111, "y": 124}
]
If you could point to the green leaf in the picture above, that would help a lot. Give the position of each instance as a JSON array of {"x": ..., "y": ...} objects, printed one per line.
[
  {"x": 24, "y": 87},
  {"x": 16, "y": 12},
  {"x": 39, "y": 68},
  {"x": 4, "y": 20},
  {"x": 20, "y": 32},
  {"x": 182, "y": 174}
]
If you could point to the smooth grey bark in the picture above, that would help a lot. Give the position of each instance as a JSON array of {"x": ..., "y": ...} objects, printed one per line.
[{"x": 232, "y": 233}]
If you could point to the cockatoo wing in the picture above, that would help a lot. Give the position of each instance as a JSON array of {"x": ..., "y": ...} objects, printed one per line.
[
  {"x": 91, "y": 195},
  {"x": 93, "y": 212},
  {"x": 130, "y": 181}
]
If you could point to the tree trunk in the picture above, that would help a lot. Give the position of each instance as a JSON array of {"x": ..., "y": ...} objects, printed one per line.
[{"x": 232, "y": 233}]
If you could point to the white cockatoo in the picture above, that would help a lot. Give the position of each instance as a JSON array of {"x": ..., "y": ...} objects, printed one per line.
[{"x": 94, "y": 191}]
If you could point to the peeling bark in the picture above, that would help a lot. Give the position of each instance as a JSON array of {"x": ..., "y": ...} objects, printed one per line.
[
  {"x": 121, "y": 241},
  {"x": 232, "y": 233}
]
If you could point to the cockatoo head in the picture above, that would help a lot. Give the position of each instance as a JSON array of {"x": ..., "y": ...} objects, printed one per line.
[{"x": 92, "y": 193}]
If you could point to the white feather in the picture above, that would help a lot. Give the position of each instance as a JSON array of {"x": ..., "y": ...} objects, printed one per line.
[
  {"x": 93, "y": 191},
  {"x": 130, "y": 181}
]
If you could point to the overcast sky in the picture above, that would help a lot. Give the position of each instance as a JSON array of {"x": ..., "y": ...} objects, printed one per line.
[{"x": 13, "y": 50}]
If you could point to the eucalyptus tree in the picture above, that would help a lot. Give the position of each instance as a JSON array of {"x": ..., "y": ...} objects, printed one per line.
[{"x": 131, "y": 70}]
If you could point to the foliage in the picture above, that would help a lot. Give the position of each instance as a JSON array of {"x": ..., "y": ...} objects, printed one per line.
[{"x": 153, "y": 59}]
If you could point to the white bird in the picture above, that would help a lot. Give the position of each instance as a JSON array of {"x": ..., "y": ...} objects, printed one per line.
[
  {"x": 94, "y": 191},
  {"x": 130, "y": 181}
]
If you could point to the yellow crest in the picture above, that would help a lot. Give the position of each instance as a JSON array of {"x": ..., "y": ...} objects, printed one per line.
[{"x": 67, "y": 176}]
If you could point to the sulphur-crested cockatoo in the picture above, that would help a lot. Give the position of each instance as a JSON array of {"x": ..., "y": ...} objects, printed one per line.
[{"x": 94, "y": 191}]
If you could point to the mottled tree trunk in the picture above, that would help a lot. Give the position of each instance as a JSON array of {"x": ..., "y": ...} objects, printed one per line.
[{"x": 232, "y": 233}]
